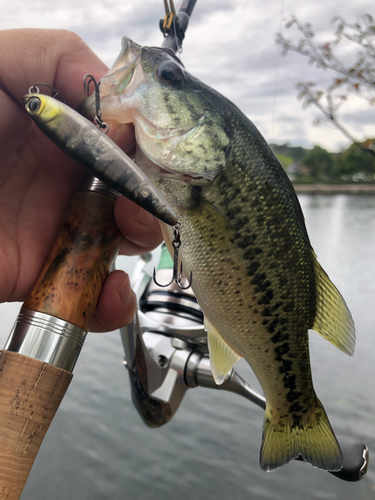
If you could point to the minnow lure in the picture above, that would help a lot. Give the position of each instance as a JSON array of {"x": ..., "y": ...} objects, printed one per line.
[{"x": 84, "y": 142}]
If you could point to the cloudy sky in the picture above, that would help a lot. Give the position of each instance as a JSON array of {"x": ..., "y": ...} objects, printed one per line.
[{"x": 229, "y": 45}]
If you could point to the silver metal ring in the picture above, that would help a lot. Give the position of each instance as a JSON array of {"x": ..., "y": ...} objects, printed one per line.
[{"x": 44, "y": 337}]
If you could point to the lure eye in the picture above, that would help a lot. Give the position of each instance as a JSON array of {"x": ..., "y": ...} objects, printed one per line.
[
  {"x": 34, "y": 104},
  {"x": 170, "y": 74}
]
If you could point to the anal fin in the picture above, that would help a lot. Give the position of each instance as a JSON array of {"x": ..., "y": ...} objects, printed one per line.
[
  {"x": 333, "y": 320},
  {"x": 222, "y": 357}
]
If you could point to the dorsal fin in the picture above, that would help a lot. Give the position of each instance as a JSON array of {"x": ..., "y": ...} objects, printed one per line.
[
  {"x": 333, "y": 320},
  {"x": 222, "y": 357}
]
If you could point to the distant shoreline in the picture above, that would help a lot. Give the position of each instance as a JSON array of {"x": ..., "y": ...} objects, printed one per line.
[{"x": 318, "y": 188}]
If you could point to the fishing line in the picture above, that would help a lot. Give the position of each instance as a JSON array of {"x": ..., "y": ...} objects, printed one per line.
[{"x": 276, "y": 78}]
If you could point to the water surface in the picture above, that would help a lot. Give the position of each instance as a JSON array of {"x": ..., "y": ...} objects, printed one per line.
[{"x": 98, "y": 448}]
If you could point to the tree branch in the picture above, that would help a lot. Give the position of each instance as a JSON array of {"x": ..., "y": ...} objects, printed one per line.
[{"x": 358, "y": 79}]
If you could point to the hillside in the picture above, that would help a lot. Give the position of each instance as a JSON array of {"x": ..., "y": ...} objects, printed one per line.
[{"x": 355, "y": 164}]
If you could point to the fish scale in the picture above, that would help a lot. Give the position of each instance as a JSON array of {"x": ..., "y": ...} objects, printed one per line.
[
  {"x": 244, "y": 239},
  {"x": 256, "y": 292}
]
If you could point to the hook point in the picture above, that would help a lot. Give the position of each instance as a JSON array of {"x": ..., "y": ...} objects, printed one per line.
[{"x": 158, "y": 284}]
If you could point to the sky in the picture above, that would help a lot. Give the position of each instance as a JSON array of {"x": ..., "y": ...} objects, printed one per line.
[{"x": 230, "y": 45}]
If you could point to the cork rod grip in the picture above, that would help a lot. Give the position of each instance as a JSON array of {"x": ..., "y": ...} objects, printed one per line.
[
  {"x": 67, "y": 288},
  {"x": 30, "y": 394}
]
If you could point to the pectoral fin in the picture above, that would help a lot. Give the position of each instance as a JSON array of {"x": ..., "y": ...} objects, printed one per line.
[
  {"x": 222, "y": 357},
  {"x": 333, "y": 320}
]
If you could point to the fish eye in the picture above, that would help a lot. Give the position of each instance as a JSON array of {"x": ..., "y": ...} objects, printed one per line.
[
  {"x": 34, "y": 104},
  {"x": 170, "y": 73}
]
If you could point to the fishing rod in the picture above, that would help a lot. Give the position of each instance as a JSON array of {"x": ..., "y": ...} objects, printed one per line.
[
  {"x": 174, "y": 24},
  {"x": 36, "y": 365},
  {"x": 37, "y": 362}
]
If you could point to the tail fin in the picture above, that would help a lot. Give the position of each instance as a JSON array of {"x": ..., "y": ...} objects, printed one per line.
[{"x": 310, "y": 436}]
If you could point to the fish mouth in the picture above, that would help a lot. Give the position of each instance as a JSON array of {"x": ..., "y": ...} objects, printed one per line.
[
  {"x": 123, "y": 78},
  {"x": 120, "y": 76}
]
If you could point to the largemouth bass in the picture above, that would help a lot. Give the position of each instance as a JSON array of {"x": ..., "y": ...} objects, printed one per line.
[{"x": 243, "y": 237}]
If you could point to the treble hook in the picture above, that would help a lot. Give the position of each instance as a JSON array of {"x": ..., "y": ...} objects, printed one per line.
[
  {"x": 98, "y": 114},
  {"x": 177, "y": 274},
  {"x": 34, "y": 89}
]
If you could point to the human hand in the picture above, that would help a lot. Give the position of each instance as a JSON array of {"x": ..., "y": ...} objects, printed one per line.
[{"x": 37, "y": 179}]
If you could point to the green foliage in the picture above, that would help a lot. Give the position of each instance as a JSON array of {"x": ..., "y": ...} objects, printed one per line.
[
  {"x": 319, "y": 163},
  {"x": 354, "y": 161}
]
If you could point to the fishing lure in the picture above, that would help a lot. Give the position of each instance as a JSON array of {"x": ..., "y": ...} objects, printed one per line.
[{"x": 84, "y": 142}]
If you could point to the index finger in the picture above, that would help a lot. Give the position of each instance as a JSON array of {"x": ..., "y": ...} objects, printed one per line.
[{"x": 57, "y": 57}]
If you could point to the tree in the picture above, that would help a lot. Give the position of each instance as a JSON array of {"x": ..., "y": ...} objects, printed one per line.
[
  {"x": 320, "y": 163},
  {"x": 354, "y": 161},
  {"x": 357, "y": 78}
]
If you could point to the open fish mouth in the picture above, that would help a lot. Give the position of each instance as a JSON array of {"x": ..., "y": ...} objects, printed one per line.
[
  {"x": 124, "y": 78},
  {"x": 121, "y": 76}
]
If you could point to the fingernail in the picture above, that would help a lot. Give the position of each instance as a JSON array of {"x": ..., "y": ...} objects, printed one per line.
[{"x": 125, "y": 292}]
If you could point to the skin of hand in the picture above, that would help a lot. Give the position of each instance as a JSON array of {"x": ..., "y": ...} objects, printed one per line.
[{"x": 37, "y": 179}]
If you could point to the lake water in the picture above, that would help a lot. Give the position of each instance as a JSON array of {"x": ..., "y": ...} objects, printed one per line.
[{"x": 98, "y": 448}]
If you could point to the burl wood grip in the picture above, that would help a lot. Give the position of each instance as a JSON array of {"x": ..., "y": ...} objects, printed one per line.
[
  {"x": 68, "y": 288},
  {"x": 30, "y": 394},
  {"x": 72, "y": 278}
]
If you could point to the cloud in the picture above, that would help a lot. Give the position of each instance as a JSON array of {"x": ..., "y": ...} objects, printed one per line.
[{"x": 229, "y": 45}]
